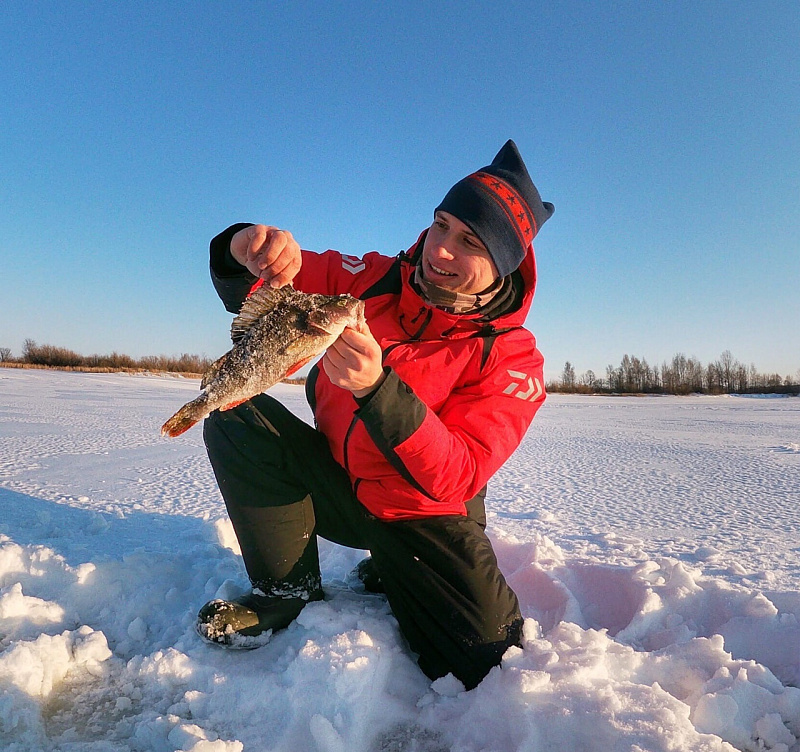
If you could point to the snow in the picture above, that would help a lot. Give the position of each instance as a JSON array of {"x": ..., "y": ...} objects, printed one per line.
[{"x": 652, "y": 542}]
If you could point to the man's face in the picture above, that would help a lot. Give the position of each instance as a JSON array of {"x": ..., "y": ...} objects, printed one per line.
[{"x": 454, "y": 257}]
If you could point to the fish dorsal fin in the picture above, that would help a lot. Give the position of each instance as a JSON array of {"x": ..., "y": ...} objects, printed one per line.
[{"x": 262, "y": 301}]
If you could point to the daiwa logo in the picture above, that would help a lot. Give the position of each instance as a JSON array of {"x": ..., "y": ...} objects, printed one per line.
[
  {"x": 353, "y": 264},
  {"x": 524, "y": 386}
]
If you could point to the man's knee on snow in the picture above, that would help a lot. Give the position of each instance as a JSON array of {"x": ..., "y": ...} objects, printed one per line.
[{"x": 474, "y": 660}]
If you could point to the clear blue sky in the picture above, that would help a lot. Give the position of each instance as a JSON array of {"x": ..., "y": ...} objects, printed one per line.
[{"x": 667, "y": 134}]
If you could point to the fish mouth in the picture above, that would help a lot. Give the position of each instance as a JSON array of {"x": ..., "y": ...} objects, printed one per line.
[{"x": 361, "y": 314}]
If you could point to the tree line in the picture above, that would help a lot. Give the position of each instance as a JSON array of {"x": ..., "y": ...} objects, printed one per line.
[
  {"x": 681, "y": 375},
  {"x": 36, "y": 355},
  {"x": 633, "y": 375}
]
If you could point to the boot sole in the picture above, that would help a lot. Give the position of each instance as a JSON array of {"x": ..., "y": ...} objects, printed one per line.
[{"x": 233, "y": 640}]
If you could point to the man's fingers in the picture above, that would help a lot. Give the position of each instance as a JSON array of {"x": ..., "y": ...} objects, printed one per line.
[
  {"x": 348, "y": 336},
  {"x": 339, "y": 351},
  {"x": 266, "y": 247},
  {"x": 277, "y": 240},
  {"x": 283, "y": 270},
  {"x": 356, "y": 339},
  {"x": 354, "y": 361},
  {"x": 242, "y": 243},
  {"x": 257, "y": 234},
  {"x": 266, "y": 244},
  {"x": 333, "y": 364}
]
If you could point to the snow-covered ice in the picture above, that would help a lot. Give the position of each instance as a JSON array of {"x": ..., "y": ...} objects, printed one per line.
[{"x": 652, "y": 542}]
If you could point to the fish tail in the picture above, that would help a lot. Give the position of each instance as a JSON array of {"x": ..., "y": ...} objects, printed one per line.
[{"x": 185, "y": 418}]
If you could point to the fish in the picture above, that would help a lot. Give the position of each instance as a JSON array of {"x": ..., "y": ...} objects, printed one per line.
[{"x": 276, "y": 332}]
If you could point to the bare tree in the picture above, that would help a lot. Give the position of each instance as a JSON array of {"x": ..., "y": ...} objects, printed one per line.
[
  {"x": 773, "y": 380},
  {"x": 713, "y": 378},
  {"x": 694, "y": 375},
  {"x": 741, "y": 378},
  {"x": 5, "y": 354},
  {"x": 614, "y": 378},
  {"x": 568, "y": 377},
  {"x": 727, "y": 367}
]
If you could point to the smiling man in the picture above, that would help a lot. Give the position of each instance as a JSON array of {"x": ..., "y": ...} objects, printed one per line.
[
  {"x": 414, "y": 413},
  {"x": 455, "y": 258}
]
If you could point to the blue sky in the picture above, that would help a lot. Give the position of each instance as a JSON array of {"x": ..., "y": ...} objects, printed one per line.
[{"x": 667, "y": 134}]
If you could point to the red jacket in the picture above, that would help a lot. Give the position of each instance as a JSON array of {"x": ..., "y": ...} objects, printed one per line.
[{"x": 459, "y": 395}]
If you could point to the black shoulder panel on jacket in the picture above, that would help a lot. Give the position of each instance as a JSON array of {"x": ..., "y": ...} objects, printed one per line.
[
  {"x": 390, "y": 283},
  {"x": 488, "y": 337},
  {"x": 487, "y": 344}
]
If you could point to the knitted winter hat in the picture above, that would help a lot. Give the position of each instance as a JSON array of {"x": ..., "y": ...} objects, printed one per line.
[{"x": 501, "y": 205}]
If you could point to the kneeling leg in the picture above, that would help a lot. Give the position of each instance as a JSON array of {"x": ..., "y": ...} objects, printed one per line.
[{"x": 448, "y": 594}]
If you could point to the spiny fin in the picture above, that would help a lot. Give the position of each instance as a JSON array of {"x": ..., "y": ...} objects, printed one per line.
[{"x": 262, "y": 301}]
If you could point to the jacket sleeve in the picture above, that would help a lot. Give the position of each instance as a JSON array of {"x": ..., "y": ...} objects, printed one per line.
[
  {"x": 231, "y": 280},
  {"x": 450, "y": 454}
]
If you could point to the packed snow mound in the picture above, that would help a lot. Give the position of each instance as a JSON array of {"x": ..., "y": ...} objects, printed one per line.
[
  {"x": 110, "y": 541},
  {"x": 655, "y": 654}
]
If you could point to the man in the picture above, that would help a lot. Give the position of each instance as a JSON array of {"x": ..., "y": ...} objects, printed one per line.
[{"x": 414, "y": 413}]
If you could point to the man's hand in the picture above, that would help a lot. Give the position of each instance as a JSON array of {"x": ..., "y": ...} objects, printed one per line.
[
  {"x": 354, "y": 362},
  {"x": 267, "y": 252}
]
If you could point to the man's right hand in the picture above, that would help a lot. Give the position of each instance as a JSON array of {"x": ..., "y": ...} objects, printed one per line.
[{"x": 267, "y": 252}]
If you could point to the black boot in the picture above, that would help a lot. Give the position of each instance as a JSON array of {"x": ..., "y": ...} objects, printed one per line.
[
  {"x": 234, "y": 623},
  {"x": 368, "y": 574}
]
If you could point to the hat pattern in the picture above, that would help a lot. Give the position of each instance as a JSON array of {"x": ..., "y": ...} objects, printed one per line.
[{"x": 519, "y": 213}]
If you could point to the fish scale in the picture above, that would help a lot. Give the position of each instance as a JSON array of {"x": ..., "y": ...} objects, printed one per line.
[{"x": 275, "y": 334}]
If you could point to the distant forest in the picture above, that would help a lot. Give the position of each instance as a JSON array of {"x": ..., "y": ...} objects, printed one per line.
[
  {"x": 681, "y": 375},
  {"x": 633, "y": 375},
  {"x": 50, "y": 356}
]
